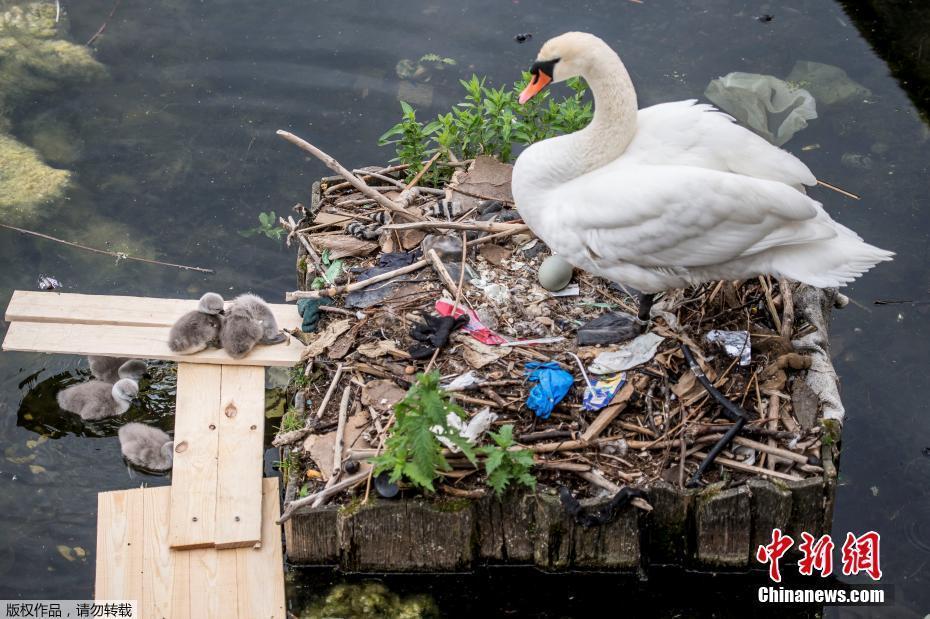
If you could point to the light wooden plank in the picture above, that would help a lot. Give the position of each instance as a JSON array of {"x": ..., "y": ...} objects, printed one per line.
[
  {"x": 261, "y": 570},
  {"x": 181, "y": 587},
  {"x": 240, "y": 457},
  {"x": 196, "y": 441},
  {"x": 67, "y": 307},
  {"x": 120, "y": 546},
  {"x": 140, "y": 342},
  {"x": 213, "y": 584},
  {"x": 158, "y": 558}
]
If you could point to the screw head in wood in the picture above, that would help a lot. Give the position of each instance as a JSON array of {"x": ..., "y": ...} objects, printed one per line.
[
  {"x": 237, "y": 518},
  {"x": 253, "y": 427},
  {"x": 194, "y": 519},
  {"x": 213, "y": 426}
]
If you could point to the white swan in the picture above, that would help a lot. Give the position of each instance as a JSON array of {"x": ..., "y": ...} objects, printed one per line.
[{"x": 672, "y": 195}]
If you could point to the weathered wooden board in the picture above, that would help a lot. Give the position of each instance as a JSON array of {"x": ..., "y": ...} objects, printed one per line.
[
  {"x": 132, "y": 341},
  {"x": 120, "y": 547},
  {"x": 134, "y": 562},
  {"x": 196, "y": 444},
  {"x": 239, "y": 457},
  {"x": 96, "y": 309}
]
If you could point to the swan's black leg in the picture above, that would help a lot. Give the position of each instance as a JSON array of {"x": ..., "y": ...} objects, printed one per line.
[{"x": 646, "y": 302}]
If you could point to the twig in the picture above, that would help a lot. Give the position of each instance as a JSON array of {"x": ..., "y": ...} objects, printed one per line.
[
  {"x": 381, "y": 177},
  {"x": 358, "y": 183},
  {"x": 748, "y": 468},
  {"x": 599, "y": 480},
  {"x": 838, "y": 190},
  {"x": 337, "y": 444},
  {"x": 115, "y": 254},
  {"x": 329, "y": 392},
  {"x": 770, "y": 303},
  {"x": 458, "y": 290},
  {"x": 441, "y": 271},
  {"x": 481, "y": 197},
  {"x": 348, "y": 482},
  {"x": 103, "y": 26},
  {"x": 480, "y": 226},
  {"x": 334, "y": 290},
  {"x": 787, "y": 308},
  {"x": 423, "y": 170},
  {"x": 57, "y": 10}
]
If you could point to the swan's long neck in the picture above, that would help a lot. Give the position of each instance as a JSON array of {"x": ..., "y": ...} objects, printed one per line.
[{"x": 558, "y": 160}]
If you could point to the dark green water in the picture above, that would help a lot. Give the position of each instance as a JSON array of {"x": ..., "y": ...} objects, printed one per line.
[{"x": 178, "y": 153}]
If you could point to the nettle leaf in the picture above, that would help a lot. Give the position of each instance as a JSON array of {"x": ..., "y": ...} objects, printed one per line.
[{"x": 494, "y": 460}]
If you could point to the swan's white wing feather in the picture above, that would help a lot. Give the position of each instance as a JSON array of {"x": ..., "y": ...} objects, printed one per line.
[
  {"x": 697, "y": 134},
  {"x": 657, "y": 216}
]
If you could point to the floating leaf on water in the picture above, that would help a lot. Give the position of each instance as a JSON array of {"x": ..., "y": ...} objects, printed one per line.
[
  {"x": 21, "y": 459},
  {"x": 65, "y": 551},
  {"x": 37, "y": 469},
  {"x": 80, "y": 552}
]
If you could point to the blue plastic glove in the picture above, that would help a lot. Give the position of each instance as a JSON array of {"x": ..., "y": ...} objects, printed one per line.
[{"x": 552, "y": 385}]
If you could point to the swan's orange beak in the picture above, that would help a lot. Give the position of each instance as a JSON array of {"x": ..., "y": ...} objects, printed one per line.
[{"x": 539, "y": 81}]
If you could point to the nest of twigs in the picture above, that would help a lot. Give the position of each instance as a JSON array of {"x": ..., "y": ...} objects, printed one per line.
[{"x": 660, "y": 425}]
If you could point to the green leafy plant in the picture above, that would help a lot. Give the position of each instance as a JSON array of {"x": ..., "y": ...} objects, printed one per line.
[
  {"x": 412, "y": 451},
  {"x": 267, "y": 225},
  {"x": 333, "y": 270},
  {"x": 489, "y": 121},
  {"x": 504, "y": 466},
  {"x": 291, "y": 420},
  {"x": 288, "y": 465}
]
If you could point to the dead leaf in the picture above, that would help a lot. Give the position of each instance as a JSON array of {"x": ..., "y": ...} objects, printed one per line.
[
  {"x": 382, "y": 394},
  {"x": 320, "y": 446},
  {"x": 487, "y": 177},
  {"x": 411, "y": 238},
  {"x": 326, "y": 339},
  {"x": 373, "y": 350},
  {"x": 495, "y": 254},
  {"x": 479, "y": 355},
  {"x": 331, "y": 218},
  {"x": 342, "y": 245},
  {"x": 342, "y": 346}
]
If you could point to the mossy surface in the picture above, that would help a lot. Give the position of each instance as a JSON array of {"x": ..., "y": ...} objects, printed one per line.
[
  {"x": 370, "y": 600},
  {"x": 34, "y": 60}
]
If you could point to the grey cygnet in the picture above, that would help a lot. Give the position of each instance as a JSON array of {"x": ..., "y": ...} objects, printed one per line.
[
  {"x": 259, "y": 310},
  {"x": 111, "y": 369},
  {"x": 240, "y": 332},
  {"x": 196, "y": 330},
  {"x": 96, "y": 399},
  {"x": 146, "y": 447}
]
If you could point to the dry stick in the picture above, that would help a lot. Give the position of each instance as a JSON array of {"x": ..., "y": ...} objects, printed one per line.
[
  {"x": 748, "y": 468},
  {"x": 358, "y": 183},
  {"x": 480, "y": 226},
  {"x": 481, "y": 197},
  {"x": 380, "y": 177},
  {"x": 325, "y": 493},
  {"x": 838, "y": 190},
  {"x": 772, "y": 413},
  {"x": 419, "y": 264},
  {"x": 337, "y": 444},
  {"x": 329, "y": 392},
  {"x": 787, "y": 308},
  {"x": 770, "y": 303},
  {"x": 115, "y": 254},
  {"x": 785, "y": 454},
  {"x": 416, "y": 179},
  {"x": 103, "y": 26},
  {"x": 441, "y": 271},
  {"x": 315, "y": 257}
]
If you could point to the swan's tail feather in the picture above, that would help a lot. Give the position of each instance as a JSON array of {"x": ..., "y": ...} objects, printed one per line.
[{"x": 829, "y": 264}]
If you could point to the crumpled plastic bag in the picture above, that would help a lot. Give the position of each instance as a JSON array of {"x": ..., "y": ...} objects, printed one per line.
[
  {"x": 471, "y": 431},
  {"x": 828, "y": 84},
  {"x": 773, "y": 108},
  {"x": 599, "y": 395},
  {"x": 552, "y": 384},
  {"x": 736, "y": 343},
  {"x": 635, "y": 352}
]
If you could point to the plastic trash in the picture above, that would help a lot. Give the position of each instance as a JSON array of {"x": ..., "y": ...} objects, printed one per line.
[
  {"x": 385, "y": 487},
  {"x": 635, "y": 352},
  {"x": 471, "y": 431},
  {"x": 735, "y": 343},
  {"x": 773, "y": 108},
  {"x": 609, "y": 328},
  {"x": 599, "y": 395},
  {"x": 474, "y": 327},
  {"x": 552, "y": 384},
  {"x": 47, "y": 282},
  {"x": 434, "y": 333},
  {"x": 465, "y": 381},
  {"x": 828, "y": 84}
]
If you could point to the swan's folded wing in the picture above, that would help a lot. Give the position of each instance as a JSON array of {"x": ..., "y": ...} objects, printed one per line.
[
  {"x": 678, "y": 216},
  {"x": 699, "y": 135}
]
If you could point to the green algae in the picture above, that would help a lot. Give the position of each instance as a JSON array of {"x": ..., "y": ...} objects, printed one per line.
[
  {"x": 370, "y": 600},
  {"x": 34, "y": 60}
]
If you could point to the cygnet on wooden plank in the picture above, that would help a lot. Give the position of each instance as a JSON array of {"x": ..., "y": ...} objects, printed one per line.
[
  {"x": 146, "y": 447},
  {"x": 248, "y": 322},
  {"x": 258, "y": 309},
  {"x": 198, "y": 329},
  {"x": 97, "y": 400}
]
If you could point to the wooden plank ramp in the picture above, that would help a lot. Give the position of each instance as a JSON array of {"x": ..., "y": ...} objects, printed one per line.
[
  {"x": 133, "y": 341},
  {"x": 99, "y": 309},
  {"x": 135, "y": 562}
]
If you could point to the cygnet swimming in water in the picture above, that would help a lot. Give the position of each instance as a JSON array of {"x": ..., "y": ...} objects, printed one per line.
[
  {"x": 196, "y": 330},
  {"x": 96, "y": 399},
  {"x": 259, "y": 310},
  {"x": 146, "y": 447},
  {"x": 111, "y": 369}
]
